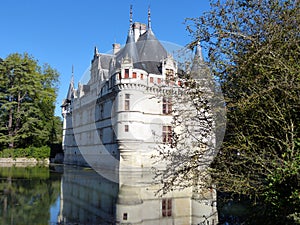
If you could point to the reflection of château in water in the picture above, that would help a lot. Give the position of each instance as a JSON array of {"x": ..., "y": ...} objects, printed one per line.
[
  {"x": 88, "y": 198},
  {"x": 113, "y": 123}
]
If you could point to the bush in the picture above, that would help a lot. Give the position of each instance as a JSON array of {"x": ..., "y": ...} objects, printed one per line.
[{"x": 30, "y": 152}]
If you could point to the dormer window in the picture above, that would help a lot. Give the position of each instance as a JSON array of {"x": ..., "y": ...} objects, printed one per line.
[
  {"x": 134, "y": 75},
  {"x": 126, "y": 73}
]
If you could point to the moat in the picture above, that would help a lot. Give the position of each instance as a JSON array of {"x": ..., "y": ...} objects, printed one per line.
[
  {"x": 77, "y": 195},
  {"x": 69, "y": 195}
]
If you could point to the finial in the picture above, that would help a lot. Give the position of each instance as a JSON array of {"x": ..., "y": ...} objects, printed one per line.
[
  {"x": 149, "y": 18},
  {"x": 72, "y": 77},
  {"x": 130, "y": 17},
  {"x": 96, "y": 50}
]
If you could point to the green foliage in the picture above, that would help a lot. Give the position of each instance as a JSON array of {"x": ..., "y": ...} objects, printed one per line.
[
  {"x": 28, "y": 194},
  {"x": 27, "y": 102},
  {"x": 30, "y": 152},
  {"x": 254, "y": 51}
]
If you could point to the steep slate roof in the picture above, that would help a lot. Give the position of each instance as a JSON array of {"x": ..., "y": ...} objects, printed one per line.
[
  {"x": 129, "y": 50},
  {"x": 70, "y": 93},
  {"x": 146, "y": 53},
  {"x": 149, "y": 48},
  {"x": 105, "y": 60},
  {"x": 151, "y": 52}
]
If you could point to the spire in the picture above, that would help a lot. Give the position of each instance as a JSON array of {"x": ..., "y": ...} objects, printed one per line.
[
  {"x": 72, "y": 78},
  {"x": 199, "y": 69},
  {"x": 130, "y": 17},
  {"x": 129, "y": 50},
  {"x": 149, "y": 18},
  {"x": 198, "y": 52},
  {"x": 95, "y": 51},
  {"x": 130, "y": 37},
  {"x": 70, "y": 94}
]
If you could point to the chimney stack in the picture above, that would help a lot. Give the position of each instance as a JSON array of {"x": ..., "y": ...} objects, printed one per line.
[
  {"x": 116, "y": 48},
  {"x": 138, "y": 29}
]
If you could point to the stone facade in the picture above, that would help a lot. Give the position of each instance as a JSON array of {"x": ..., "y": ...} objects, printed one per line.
[{"x": 118, "y": 113}]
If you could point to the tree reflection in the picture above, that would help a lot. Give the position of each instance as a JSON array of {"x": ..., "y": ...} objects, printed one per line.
[{"x": 26, "y": 195}]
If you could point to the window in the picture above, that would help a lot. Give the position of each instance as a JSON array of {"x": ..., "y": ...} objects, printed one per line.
[
  {"x": 142, "y": 76},
  {"x": 167, "y": 135},
  {"x": 151, "y": 79},
  {"x": 127, "y": 102},
  {"x": 167, "y": 106},
  {"x": 125, "y": 216},
  {"x": 119, "y": 76},
  {"x": 166, "y": 206},
  {"x": 134, "y": 75},
  {"x": 126, "y": 73},
  {"x": 158, "y": 80},
  {"x": 101, "y": 111},
  {"x": 126, "y": 128}
]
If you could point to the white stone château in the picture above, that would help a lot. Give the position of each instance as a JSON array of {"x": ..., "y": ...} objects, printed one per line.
[{"x": 118, "y": 111}]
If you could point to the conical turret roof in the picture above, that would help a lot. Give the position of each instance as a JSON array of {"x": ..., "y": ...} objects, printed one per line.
[{"x": 130, "y": 49}]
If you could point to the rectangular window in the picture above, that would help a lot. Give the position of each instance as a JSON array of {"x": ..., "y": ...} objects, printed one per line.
[
  {"x": 101, "y": 111},
  {"x": 126, "y": 73},
  {"x": 167, "y": 106},
  {"x": 127, "y": 102},
  {"x": 151, "y": 79},
  {"x": 142, "y": 76},
  {"x": 134, "y": 75},
  {"x": 167, "y": 135},
  {"x": 166, "y": 206},
  {"x": 126, "y": 128},
  {"x": 158, "y": 80},
  {"x": 125, "y": 216}
]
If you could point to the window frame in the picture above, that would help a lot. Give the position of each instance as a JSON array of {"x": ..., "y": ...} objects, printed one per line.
[
  {"x": 167, "y": 134},
  {"x": 127, "y": 102},
  {"x": 166, "y": 207},
  {"x": 167, "y": 105}
]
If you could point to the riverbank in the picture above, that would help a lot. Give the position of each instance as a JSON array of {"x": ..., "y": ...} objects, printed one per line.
[{"x": 23, "y": 162}]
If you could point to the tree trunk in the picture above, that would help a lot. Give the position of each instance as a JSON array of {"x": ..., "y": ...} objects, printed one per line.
[{"x": 10, "y": 128}]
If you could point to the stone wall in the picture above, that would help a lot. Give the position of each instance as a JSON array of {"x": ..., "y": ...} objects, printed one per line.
[{"x": 22, "y": 162}]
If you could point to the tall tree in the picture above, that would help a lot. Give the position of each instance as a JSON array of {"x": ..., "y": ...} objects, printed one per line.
[
  {"x": 254, "y": 51},
  {"x": 27, "y": 97}
]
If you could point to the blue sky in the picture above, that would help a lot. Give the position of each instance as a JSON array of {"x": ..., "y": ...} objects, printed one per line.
[{"x": 63, "y": 33}]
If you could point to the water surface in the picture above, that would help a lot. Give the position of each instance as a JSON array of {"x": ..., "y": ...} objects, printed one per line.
[{"x": 70, "y": 195}]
